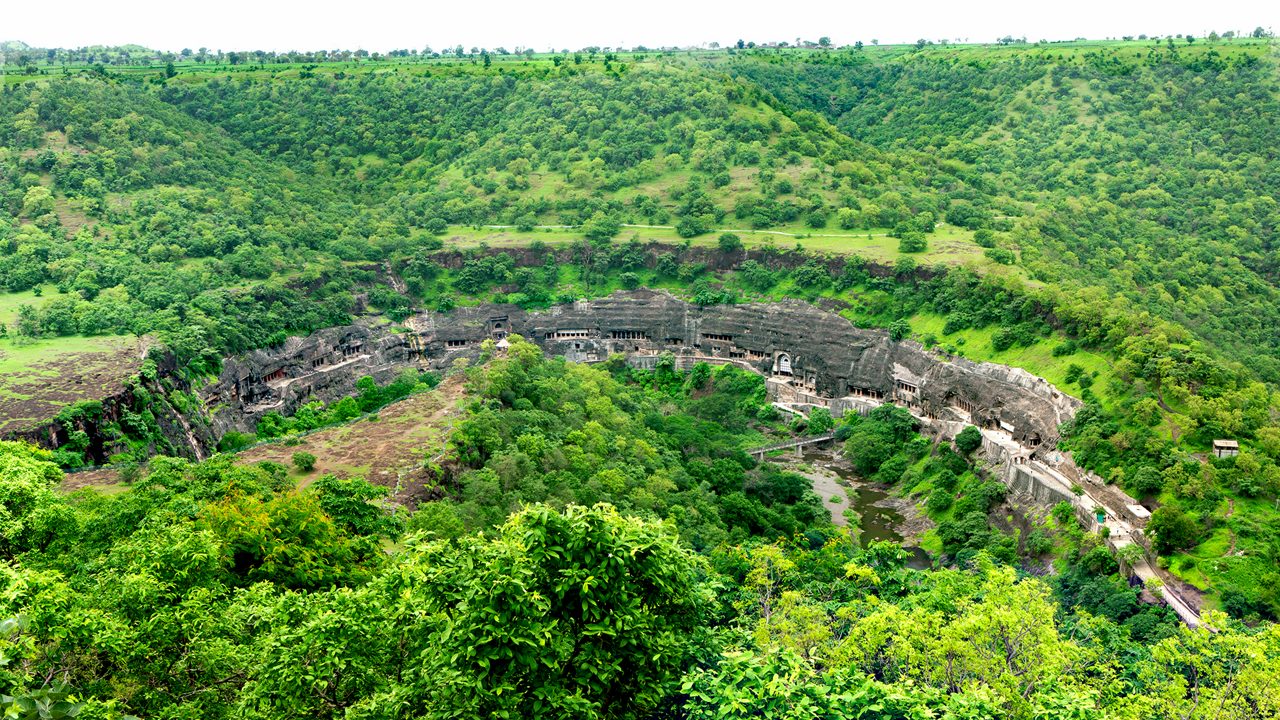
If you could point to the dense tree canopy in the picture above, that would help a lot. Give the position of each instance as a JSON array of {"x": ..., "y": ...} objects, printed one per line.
[
  {"x": 601, "y": 544},
  {"x": 220, "y": 590}
]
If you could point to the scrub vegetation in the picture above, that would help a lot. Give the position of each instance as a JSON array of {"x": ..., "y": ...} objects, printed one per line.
[{"x": 598, "y": 541}]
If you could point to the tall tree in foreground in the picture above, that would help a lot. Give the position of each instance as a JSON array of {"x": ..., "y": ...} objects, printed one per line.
[{"x": 582, "y": 614}]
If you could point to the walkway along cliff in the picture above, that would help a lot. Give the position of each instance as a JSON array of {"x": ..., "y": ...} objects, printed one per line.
[{"x": 806, "y": 352}]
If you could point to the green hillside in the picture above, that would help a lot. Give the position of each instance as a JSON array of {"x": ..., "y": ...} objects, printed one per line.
[
  {"x": 1144, "y": 168},
  {"x": 1102, "y": 214}
]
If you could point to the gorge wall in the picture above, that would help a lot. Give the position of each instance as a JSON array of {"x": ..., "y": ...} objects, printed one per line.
[
  {"x": 810, "y": 357},
  {"x": 807, "y": 352}
]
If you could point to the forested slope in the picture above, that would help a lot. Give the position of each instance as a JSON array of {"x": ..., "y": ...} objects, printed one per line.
[
  {"x": 654, "y": 143},
  {"x": 1151, "y": 171},
  {"x": 223, "y": 590},
  {"x": 1116, "y": 209},
  {"x": 143, "y": 218}
]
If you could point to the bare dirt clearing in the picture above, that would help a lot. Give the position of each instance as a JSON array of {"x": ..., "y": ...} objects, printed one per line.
[{"x": 391, "y": 451}]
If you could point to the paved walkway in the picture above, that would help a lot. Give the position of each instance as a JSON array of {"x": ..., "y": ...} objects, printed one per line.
[{"x": 1064, "y": 477}]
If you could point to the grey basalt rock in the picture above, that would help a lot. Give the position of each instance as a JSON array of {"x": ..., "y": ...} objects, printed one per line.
[{"x": 814, "y": 350}]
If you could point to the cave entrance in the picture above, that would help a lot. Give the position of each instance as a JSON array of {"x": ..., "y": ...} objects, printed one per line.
[{"x": 783, "y": 364}]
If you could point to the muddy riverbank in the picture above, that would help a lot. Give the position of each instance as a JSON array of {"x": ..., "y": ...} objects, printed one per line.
[{"x": 869, "y": 509}]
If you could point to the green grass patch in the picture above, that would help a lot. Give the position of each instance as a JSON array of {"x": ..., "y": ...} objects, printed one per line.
[
  {"x": 1037, "y": 358},
  {"x": 931, "y": 543},
  {"x": 948, "y": 245},
  {"x": 10, "y": 302},
  {"x": 39, "y": 377},
  {"x": 18, "y": 361}
]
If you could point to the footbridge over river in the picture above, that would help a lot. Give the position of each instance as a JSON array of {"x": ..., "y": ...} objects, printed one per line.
[{"x": 796, "y": 444}]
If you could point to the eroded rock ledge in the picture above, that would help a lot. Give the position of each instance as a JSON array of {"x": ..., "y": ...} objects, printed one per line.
[{"x": 807, "y": 352}]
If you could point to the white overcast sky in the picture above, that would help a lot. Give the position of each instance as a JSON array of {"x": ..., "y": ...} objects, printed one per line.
[{"x": 378, "y": 25}]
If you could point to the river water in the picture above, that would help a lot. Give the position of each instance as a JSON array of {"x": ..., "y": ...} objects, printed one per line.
[{"x": 866, "y": 507}]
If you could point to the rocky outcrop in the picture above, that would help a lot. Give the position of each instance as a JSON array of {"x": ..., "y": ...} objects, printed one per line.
[
  {"x": 322, "y": 366},
  {"x": 91, "y": 428},
  {"x": 807, "y": 352}
]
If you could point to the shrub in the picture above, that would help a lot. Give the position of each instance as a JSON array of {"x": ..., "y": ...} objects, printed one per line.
[
  {"x": 1064, "y": 513},
  {"x": 1039, "y": 544},
  {"x": 1146, "y": 481},
  {"x": 1074, "y": 372},
  {"x": 438, "y": 518},
  {"x": 1171, "y": 530},
  {"x": 891, "y": 470},
  {"x": 913, "y": 242},
  {"x": 968, "y": 439},
  {"x": 601, "y": 227},
  {"x": 691, "y": 226},
  {"x": 1004, "y": 256},
  {"x": 1002, "y": 339},
  {"x": 820, "y": 421},
  {"x": 235, "y": 440},
  {"x": 939, "y": 501},
  {"x": 304, "y": 461},
  {"x": 813, "y": 274},
  {"x": 730, "y": 243}
]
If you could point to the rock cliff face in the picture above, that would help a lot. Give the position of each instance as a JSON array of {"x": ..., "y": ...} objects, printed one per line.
[
  {"x": 805, "y": 350},
  {"x": 95, "y": 421},
  {"x": 323, "y": 366}
]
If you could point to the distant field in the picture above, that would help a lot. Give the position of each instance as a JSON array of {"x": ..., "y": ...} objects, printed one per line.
[
  {"x": 40, "y": 377},
  {"x": 189, "y": 70},
  {"x": 948, "y": 244},
  {"x": 10, "y": 302}
]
